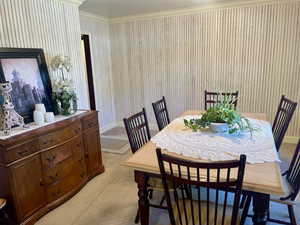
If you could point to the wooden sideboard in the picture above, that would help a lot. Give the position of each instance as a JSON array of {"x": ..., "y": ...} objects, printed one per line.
[{"x": 42, "y": 168}]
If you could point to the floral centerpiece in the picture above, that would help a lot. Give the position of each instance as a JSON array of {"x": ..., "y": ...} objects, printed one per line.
[
  {"x": 221, "y": 118},
  {"x": 63, "y": 91}
]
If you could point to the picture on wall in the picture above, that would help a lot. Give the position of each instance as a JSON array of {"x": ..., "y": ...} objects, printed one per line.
[{"x": 27, "y": 72}]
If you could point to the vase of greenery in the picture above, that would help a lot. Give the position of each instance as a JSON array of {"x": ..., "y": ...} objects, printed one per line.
[
  {"x": 221, "y": 118},
  {"x": 63, "y": 91}
]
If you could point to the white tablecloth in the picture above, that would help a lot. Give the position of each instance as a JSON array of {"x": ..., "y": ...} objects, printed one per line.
[{"x": 205, "y": 144}]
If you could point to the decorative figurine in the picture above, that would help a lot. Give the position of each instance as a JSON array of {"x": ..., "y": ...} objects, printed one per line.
[{"x": 9, "y": 118}]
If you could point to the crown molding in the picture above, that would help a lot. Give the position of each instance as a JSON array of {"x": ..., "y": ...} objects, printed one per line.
[
  {"x": 194, "y": 10},
  {"x": 93, "y": 16},
  {"x": 76, "y": 2}
]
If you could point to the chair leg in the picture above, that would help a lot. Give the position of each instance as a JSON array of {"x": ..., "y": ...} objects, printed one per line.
[
  {"x": 187, "y": 192},
  {"x": 137, "y": 217},
  {"x": 162, "y": 200},
  {"x": 242, "y": 204},
  {"x": 292, "y": 215},
  {"x": 246, "y": 207}
]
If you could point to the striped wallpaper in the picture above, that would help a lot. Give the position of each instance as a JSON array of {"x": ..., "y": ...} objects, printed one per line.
[
  {"x": 98, "y": 32},
  {"x": 254, "y": 49},
  {"x": 48, "y": 24}
]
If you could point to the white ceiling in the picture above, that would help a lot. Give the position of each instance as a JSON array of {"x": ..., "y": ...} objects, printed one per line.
[{"x": 119, "y": 8}]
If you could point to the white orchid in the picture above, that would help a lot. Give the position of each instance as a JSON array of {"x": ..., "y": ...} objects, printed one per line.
[
  {"x": 61, "y": 63},
  {"x": 60, "y": 86}
]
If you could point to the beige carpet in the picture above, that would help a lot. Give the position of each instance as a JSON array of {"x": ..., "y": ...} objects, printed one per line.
[
  {"x": 111, "y": 199},
  {"x": 115, "y": 140},
  {"x": 113, "y": 145}
]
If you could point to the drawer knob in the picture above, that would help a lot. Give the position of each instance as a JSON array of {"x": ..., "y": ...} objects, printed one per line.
[
  {"x": 54, "y": 177},
  {"x": 51, "y": 158}
]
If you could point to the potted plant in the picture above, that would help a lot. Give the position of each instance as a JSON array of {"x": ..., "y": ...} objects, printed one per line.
[
  {"x": 221, "y": 118},
  {"x": 63, "y": 94}
]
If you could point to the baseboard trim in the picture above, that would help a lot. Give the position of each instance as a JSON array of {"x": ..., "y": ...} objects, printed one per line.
[
  {"x": 107, "y": 127},
  {"x": 122, "y": 150}
]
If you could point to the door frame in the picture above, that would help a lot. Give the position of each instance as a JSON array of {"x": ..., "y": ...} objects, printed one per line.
[{"x": 89, "y": 69}]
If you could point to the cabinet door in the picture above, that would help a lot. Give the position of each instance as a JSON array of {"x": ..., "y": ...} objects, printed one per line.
[
  {"x": 93, "y": 151},
  {"x": 27, "y": 181}
]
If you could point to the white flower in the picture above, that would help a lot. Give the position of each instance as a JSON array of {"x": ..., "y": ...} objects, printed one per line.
[
  {"x": 61, "y": 62},
  {"x": 60, "y": 86}
]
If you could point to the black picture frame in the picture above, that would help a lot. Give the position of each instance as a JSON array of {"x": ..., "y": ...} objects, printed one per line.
[{"x": 37, "y": 55}]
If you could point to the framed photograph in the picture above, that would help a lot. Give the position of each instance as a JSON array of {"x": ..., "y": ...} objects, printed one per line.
[{"x": 27, "y": 72}]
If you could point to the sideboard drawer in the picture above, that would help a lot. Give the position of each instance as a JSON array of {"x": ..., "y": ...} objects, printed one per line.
[
  {"x": 22, "y": 151},
  {"x": 55, "y": 174},
  {"x": 60, "y": 136},
  {"x": 55, "y": 156},
  {"x": 90, "y": 122},
  {"x": 67, "y": 184}
]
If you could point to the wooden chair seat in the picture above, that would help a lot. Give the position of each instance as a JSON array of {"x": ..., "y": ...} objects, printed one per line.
[
  {"x": 156, "y": 183},
  {"x": 2, "y": 203},
  {"x": 276, "y": 198},
  {"x": 227, "y": 218}
]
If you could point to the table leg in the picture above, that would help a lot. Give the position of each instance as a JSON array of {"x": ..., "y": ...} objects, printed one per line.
[
  {"x": 260, "y": 208},
  {"x": 142, "y": 181}
]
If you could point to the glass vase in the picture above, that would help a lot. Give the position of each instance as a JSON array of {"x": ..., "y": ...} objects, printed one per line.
[{"x": 65, "y": 106}]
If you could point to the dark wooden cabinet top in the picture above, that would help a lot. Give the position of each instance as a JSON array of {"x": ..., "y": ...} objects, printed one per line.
[{"x": 48, "y": 128}]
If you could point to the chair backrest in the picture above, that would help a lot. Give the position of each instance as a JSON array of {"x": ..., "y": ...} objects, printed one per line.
[
  {"x": 282, "y": 119},
  {"x": 161, "y": 113},
  {"x": 196, "y": 177},
  {"x": 137, "y": 129},
  {"x": 293, "y": 173},
  {"x": 211, "y": 98}
]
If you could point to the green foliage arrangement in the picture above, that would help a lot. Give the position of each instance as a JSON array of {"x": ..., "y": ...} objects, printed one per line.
[
  {"x": 222, "y": 112},
  {"x": 65, "y": 98}
]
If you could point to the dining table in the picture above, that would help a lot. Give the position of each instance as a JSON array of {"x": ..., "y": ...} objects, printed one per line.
[{"x": 260, "y": 179}]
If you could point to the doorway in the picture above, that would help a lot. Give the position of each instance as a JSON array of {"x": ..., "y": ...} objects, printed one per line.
[{"x": 85, "y": 43}]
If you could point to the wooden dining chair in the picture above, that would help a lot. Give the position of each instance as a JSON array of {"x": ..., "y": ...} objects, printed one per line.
[
  {"x": 281, "y": 123},
  {"x": 161, "y": 113},
  {"x": 200, "y": 177},
  {"x": 138, "y": 132},
  {"x": 282, "y": 119},
  {"x": 137, "y": 129},
  {"x": 292, "y": 181},
  {"x": 211, "y": 98}
]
